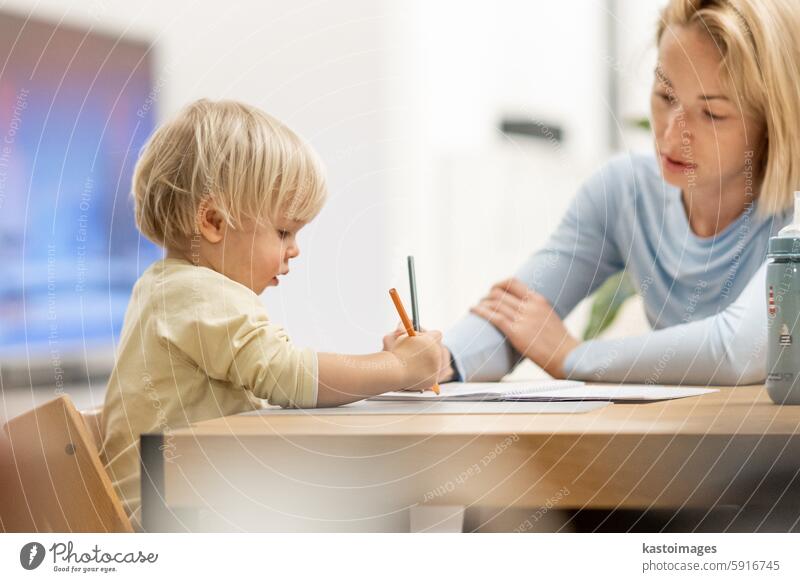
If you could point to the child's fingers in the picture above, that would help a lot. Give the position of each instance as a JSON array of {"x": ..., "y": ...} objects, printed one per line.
[{"x": 391, "y": 338}]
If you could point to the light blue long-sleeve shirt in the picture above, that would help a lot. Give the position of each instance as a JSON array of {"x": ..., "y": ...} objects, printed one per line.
[{"x": 704, "y": 297}]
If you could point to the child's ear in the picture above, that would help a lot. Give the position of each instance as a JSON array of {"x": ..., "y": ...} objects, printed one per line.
[{"x": 210, "y": 221}]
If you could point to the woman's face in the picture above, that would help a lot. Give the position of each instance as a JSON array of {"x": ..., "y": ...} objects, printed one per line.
[{"x": 704, "y": 140}]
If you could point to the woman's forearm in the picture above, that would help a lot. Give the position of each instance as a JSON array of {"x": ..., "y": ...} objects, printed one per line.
[{"x": 726, "y": 349}]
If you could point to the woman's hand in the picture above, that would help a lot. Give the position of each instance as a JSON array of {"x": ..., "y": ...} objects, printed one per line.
[{"x": 529, "y": 323}]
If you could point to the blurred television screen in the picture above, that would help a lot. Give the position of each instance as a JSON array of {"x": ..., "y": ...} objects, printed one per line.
[{"x": 77, "y": 106}]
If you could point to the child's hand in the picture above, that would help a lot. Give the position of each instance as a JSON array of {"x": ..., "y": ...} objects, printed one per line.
[
  {"x": 445, "y": 368},
  {"x": 391, "y": 338},
  {"x": 420, "y": 357}
]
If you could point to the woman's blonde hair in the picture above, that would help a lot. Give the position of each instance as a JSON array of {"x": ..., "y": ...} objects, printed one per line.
[
  {"x": 248, "y": 163},
  {"x": 759, "y": 41}
]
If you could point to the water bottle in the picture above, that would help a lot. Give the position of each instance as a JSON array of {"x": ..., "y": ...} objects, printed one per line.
[{"x": 783, "y": 312}]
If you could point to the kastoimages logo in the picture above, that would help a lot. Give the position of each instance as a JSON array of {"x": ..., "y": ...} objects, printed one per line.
[{"x": 31, "y": 555}]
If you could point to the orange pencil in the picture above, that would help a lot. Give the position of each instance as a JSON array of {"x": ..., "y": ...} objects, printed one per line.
[{"x": 406, "y": 321}]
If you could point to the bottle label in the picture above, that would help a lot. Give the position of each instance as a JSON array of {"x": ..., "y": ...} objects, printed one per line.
[
  {"x": 771, "y": 309},
  {"x": 785, "y": 338},
  {"x": 779, "y": 377}
]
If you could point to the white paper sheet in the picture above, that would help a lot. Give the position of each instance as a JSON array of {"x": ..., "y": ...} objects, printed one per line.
[
  {"x": 425, "y": 407},
  {"x": 546, "y": 391}
]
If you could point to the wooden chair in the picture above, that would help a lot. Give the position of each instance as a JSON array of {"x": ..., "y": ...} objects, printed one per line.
[
  {"x": 93, "y": 419},
  {"x": 63, "y": 484}
]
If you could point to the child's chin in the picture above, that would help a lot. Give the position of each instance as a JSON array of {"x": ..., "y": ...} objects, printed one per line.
[{"x": 259, "y": 289}]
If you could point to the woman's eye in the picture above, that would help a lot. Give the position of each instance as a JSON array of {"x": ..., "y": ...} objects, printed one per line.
[
  {"x": 712, "y": 116},
  {"x": 284, "y": 233},
  {"x": 664, "y": 97}
]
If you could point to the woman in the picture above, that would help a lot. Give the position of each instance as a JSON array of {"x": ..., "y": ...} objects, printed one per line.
[{"x": 690, "y": 225}]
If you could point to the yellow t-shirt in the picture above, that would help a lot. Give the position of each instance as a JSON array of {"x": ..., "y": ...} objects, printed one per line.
[{"x": 195, "y": 345}]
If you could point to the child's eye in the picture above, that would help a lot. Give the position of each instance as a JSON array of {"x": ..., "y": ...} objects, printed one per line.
[
  {"x": 712, "y": 116},
  {"x": 284, "y": 233}
]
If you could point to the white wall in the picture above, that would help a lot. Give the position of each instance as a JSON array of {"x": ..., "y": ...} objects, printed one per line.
[
  {"x": 481, "y": 202},
  {"x": 320, "y": 67},
  {"x": 634, "y": 65},
  {"x": 402, "y": 100}
]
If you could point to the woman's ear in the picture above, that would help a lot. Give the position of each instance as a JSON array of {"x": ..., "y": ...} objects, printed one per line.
[{"x": 210, "y": 222}]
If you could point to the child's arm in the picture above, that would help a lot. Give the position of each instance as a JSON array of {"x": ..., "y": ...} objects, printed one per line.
[{"x": 412, "y": 363}]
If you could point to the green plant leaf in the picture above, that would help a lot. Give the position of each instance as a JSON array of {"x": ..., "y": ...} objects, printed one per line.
[
  {"x": 606, "y": 303},
  {"x": 640, "y": 122}
]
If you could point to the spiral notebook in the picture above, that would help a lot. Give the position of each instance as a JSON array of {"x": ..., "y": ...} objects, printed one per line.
[{"x": 546, "y": 391}]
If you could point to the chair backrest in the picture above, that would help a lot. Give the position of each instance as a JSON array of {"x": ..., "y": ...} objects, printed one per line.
[
  {"x": 93, "y": 419},
  {"x": 64, "y": 484}
]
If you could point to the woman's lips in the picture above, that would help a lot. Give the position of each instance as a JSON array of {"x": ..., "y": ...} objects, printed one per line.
[{"x": 673, "y": 165}]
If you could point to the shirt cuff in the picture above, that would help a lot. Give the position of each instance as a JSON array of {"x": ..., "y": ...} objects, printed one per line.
[
  {"x": 307, "y": 398},
  {"x": 315, "y": 379},
  {"x": 570, "y": 364},
  {"x": 458, "y": 370}
]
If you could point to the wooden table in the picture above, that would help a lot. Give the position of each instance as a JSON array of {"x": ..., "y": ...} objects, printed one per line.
[{"x": 362, "y": 472}]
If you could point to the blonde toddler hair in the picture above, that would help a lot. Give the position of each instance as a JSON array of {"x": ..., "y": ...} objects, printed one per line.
[{"x": 247, "y": 162}]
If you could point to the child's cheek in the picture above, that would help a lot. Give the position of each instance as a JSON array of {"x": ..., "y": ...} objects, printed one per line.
[{"x": 272, "y": 261}]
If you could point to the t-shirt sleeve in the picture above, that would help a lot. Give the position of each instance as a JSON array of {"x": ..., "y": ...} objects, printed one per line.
[
  {"x": 266, "y": 362},
  {"x": 222, "y": 328}
]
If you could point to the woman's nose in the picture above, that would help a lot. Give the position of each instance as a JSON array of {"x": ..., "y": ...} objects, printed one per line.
[{"x": 676, "y": 132}]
